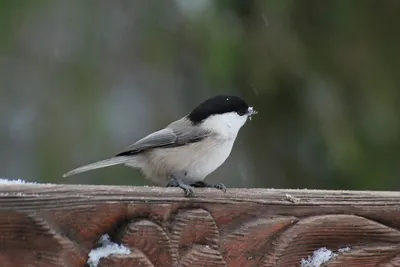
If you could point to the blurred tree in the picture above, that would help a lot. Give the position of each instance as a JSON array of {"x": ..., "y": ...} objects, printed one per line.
[{"x": 79, "y": 81}]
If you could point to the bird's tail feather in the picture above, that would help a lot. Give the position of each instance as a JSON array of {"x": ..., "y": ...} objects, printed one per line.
[{"x": 98, "y": 165}]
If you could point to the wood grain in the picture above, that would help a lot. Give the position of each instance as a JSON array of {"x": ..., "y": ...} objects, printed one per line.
[{"x": 58, "y": 225}]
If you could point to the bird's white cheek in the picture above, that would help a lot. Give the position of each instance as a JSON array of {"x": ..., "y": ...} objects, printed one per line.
[
  {"x": 227, "y": 124},
  {"x": 237, "y": 122}
]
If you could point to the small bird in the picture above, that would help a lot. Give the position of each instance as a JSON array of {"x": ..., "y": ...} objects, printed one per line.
[{"x": 187, "y": 150}]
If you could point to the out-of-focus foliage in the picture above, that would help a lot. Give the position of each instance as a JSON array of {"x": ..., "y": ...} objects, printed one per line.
[{"x": 80, "y": 80}]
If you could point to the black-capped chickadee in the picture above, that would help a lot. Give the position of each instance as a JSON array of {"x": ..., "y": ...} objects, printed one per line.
[{"x": 187, "y": 150}]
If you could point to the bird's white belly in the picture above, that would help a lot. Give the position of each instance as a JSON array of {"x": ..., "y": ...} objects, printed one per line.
[{"x": 191, "y": 162}]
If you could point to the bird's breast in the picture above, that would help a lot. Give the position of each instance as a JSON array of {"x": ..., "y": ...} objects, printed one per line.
[
  {"x": 195, "y": 161},
  {"x": 208, "y": 159}
]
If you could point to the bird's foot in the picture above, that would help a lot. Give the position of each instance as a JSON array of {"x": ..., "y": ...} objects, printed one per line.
[
  {"x": 175, "y": 182},
  {"x": 219, "y": 186}
]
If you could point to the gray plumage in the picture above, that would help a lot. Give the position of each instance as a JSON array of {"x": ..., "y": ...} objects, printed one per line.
[
  {"x": 175, "y": 134},
  {"x": 98, "y": 165}
]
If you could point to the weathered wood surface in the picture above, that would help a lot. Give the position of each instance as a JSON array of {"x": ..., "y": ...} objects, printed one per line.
[{"x": 57, "y": 225}]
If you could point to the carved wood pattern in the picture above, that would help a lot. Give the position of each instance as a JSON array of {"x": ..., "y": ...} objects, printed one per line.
[{"x": 58, "y": 225}]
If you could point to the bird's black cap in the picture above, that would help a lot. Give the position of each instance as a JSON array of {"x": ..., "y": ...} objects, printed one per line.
[{"x": 218, "y": 105}]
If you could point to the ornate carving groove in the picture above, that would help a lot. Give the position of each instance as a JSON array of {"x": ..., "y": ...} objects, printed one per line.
[
  {"x": 151, "y": 240},
  {"x": 331, "y": 231},
  {"x": 26, "y": 238},
  {"x": 49, "y": 225},
  {"x": 243, "y": 246}
]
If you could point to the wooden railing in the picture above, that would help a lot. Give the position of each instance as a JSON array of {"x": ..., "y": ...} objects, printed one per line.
[{"x": 58, "y": 225}]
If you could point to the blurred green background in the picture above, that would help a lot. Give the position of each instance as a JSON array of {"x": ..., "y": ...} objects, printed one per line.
[{"x": 81, "y": 80}]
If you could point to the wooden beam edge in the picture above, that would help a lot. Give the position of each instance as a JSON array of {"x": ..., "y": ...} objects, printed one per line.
[{"x": 173, "y": 192}]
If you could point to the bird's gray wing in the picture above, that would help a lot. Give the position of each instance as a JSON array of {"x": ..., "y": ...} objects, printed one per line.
[{"x": 172, "y": 136}]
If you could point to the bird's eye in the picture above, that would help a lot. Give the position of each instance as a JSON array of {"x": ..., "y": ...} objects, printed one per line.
[{"x": 241, "y": 112}]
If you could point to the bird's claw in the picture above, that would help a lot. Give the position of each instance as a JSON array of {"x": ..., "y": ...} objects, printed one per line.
[
  {"x": 177, "y": 183},
  {"x": 219, "y": 186},
  {"x": 188, "y": 190}
]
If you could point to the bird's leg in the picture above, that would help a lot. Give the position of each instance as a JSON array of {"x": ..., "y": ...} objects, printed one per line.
[
  {"x": 219, "y": 186},
  {"x": 176, "y": 182}
]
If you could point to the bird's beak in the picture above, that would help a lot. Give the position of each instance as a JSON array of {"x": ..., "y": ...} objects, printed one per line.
[{"x": 251, "y": 112}]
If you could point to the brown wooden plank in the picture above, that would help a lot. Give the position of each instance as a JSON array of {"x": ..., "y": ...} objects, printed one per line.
[{"x": 58, "y": 225}]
